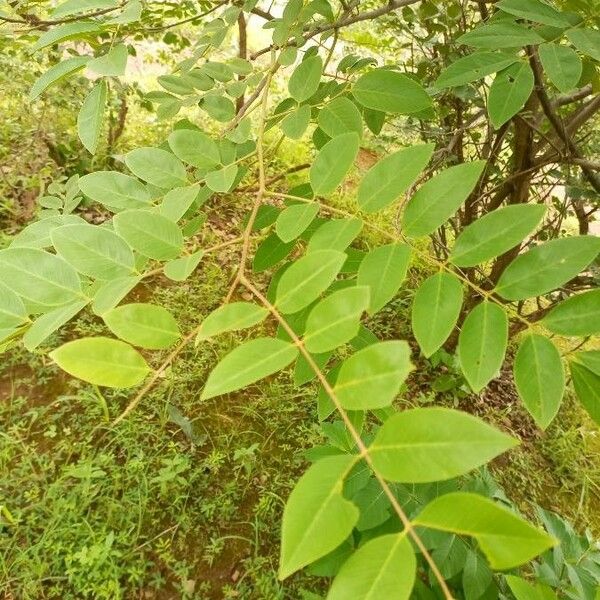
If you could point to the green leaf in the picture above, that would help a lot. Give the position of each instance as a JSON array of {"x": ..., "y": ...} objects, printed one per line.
[
  {"x": 440, "y": 197},
  {"x": 534, "y": 10},
  {"x": 307, "y": 278},
  {"x": 56, "y": 73},
  {"x": 37, "y": 234},
  {"x": 389, "y": 178},
  {"x": 12, "y": 310},
  {"x": 131, "y": 13},
  {"x": 333, "y": 162},
  {"x": 316, "y": 518},
  {"x": 66, "y": 31},
  {"x": 178, "y": 201},
  {"x": 540, "y": 378},
  {"x": 473, "y": 67},
  {"x": 45, "y": 325},
  {"x": 111, "y": 64},
  {"x": 482, "y": 344},
  {"x": 390, "y": 92},
  {"x": 372, "y": 377},
  {"x": 39, "y": 277},
  {"x": 102, "y": 361},
  {"x": 335, "y": 234},
  {"x": 384, "y": 567},
  {"x": 587, "y": 41},
  {"x": 509, "y": 93},
  {"x": 94, "y": 251},
  {"x": 523, "y": 590},
  {"x": 91, "y": 117},
  {"x": 219, "y": 108},
  {"x": 562, "y": 65},
  {"x": 589, "y": 359},
  {"x": 144, "y": 325},
  {"x": 305, "y": 79},
  {"x": 248, "y": 363},
  {"x": 295, "y": 123},
  {"x": 223, "y": 179},
  {"x": 181, "y": 268},
  {"x": 195, "y": 148},
  {"x": 587, "y": 388},
  {"x": 72, "y": 7},
  {"x": 114, "y": 190},
  {"x": 547, "y": 266},
  {"x": 149, "y": 233},
  {"x": 231, "y": 317},
  {"x": 495, "y": 233},
  {"x": 435, "y": 311},
  {"x": 335, "y": 320},
  {"x": 383, "y": 270},
  {"x": 156, "y": 166},
  {"x": 421, "y": 445},
  {"x": 578, "y": 315},
  {"x": 500, "y": 34},
  {"x": 270, "y": 251},
  {"x": 340, "y": 116},
  {"x": 506, "y": 539},
  {"x": 112, "y": 292},
  {"x": 293, "y": 221}
]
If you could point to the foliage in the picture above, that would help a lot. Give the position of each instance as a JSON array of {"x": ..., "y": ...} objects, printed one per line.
[{"x": 472, "y": 210}]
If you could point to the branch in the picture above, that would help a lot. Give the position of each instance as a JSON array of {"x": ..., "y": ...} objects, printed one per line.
[
  {"x": 37, "y": 23},
  {"x": 343, "y": 22},
  {"x": 556, "y": 121},
  {"x": 360, "y": 445}
]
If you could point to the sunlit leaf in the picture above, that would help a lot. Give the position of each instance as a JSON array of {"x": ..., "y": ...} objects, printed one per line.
[
  {"x": 578, "y": 315},
  {"x": 384, "y": 567},
  {"x": 506, "y": 539},
  {"x": 316, "y": 518},
  {"x": 391, "y": 92},
  {"x": 149, "y": 233},
  {"x": 102, "y": 361},
  {"x": 94, "y": 251},
  {"x": 421, "y": 445},
  {"x": 372, "y": 377}
]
